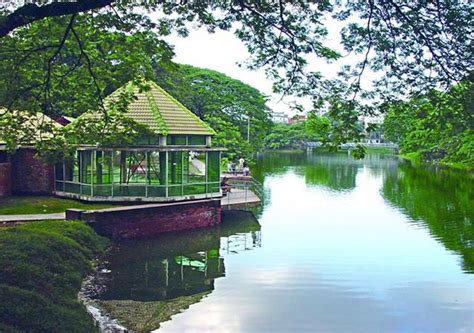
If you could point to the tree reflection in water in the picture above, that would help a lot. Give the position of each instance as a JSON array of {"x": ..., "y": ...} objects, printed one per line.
[{"x": 440, "y": 199}]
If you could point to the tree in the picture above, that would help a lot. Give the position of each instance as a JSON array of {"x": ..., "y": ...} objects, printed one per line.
[
  {"x": 284, "y": 136},
  {"x": 435, "y": 126},
  {"x": 230, "y": 106},
  {"x": 418, "y": 45},
  {"x": 318, "y": 127}
]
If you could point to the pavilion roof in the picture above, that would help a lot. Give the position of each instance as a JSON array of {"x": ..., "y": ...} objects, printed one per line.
[
  {"x": 162, "y": 113},
  {"x": 35, "y": 126}
]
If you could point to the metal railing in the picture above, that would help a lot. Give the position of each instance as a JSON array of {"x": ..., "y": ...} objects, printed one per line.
[
  {"x": 244, "y": 193},
  {"x": 350, "y": 145},
  {"x": 211, "y": 189}
]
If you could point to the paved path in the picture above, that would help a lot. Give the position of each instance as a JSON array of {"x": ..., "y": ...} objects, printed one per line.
[
  {"x": 32, "y": 217},
  {"x": 199, "y": 165},
  {"x": 239, "y": 198}
]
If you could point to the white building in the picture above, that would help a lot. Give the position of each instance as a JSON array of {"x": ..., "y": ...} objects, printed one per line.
[
  {"x": 375, "y": 136},
  {"x": 279, "y": 117}
]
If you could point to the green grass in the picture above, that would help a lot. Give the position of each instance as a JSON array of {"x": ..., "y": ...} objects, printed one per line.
[
  {"x": 42, "y": 205},
  {"x": 380, "y": 150},
  {"x": 42, "y": 266},
  {"x": 416, "y": 159}
]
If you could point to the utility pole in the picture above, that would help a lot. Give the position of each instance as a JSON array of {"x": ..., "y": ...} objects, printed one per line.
[{"x": 248, "y": 128}]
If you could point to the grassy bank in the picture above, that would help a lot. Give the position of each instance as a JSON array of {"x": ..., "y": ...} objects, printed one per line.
[
  {"x": 380, "y": 150},
  {"x": 417, "y": 159},
  {"x": 42, "y": 205},
  {"x": 42, "y": 266}
]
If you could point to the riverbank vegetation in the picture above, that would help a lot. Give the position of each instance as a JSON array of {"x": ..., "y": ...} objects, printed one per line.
[
  {"x": 437, "y": 126},
  {"x": 41, "y": 270},
  {"x": 42, "y": 205}
]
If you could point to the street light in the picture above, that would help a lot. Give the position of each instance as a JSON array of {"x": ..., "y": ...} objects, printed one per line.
[{"x": 248, "y": 126}]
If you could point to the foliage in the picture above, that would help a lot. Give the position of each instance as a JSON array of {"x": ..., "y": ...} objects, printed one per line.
[
  {"x": 284, "y": 136},
  {"x": 436, "y": 126},
  {"x": 92, "y": 60},
  {"x": 338, "y": 126},
  {"x": 64, "y": 59},
  {"x": 229, "y": 136},
  {"x": 318, "y": 127},
  {"x": 223, "y": 102},
  {"x": 42, "y": 267}
]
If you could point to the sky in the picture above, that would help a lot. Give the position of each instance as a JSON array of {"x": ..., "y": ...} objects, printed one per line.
[{"x": 222, "y": 51}]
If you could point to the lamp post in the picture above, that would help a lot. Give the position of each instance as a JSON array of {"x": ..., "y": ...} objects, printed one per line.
[{"x": 248, "y": 128}]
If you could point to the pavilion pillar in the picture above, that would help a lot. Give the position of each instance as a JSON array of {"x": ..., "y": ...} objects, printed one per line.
[
  {"x": 98, "y": 166},
  {"x": 123, "y": 167}
]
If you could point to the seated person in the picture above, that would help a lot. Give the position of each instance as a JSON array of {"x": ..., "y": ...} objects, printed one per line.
[{"x": 225, "y": 186}]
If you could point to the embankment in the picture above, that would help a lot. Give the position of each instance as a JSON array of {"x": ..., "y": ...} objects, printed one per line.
[{"x": 42, "y": 266}]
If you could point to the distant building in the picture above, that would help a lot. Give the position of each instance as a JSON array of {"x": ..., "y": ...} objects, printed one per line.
[
  {"x": 279, "y": 117},
  {"x": 21, "y": 171},
  {"x": 296, "y": 119},
  {"x": 376, "y": 135}
]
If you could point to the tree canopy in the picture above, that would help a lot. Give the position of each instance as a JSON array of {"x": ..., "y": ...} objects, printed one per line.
[
  {"x": 435, "y": 126},
  {"x": 235, "y": 110},
  {"x": 63, "y": 57}
]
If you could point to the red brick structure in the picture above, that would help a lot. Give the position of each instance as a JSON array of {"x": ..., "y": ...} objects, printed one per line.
[
  {"x": 5, "y": 179},
  {"x": 30, "y": 175},
  {"x": 149, "y": 220}
]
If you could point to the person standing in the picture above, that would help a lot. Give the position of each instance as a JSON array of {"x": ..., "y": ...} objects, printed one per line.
[
  {"x": 241, "y": 164},
  {"x": 233, "y": 168}
]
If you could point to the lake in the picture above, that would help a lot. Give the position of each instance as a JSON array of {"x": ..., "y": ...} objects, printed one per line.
[{"x": 339, "y": 245}]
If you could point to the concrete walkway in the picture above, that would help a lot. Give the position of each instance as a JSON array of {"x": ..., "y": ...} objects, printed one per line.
[{"x": 32, "y": 217}]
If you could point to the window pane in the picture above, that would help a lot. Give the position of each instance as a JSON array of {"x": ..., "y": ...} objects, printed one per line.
[
  {"x": 175, "y": 169},
  {"x": 213, "y": 171},
  {"x": 175, "y": 140},
  {"x": 196, "y": 140}
]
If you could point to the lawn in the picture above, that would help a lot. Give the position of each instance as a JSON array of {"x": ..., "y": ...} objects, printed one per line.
[
  {"x": 42, "y": 205},
  {"x": 41, "y": 270}
]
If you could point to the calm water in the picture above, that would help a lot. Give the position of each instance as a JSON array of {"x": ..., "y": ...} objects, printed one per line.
[{"x": 339, "y": 246}]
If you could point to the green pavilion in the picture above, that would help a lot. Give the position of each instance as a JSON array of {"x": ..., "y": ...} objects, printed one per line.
[{"x": 177, "y": 162}]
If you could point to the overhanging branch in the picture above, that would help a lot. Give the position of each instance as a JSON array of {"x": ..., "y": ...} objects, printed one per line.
[{"x": 32, "y": 12}]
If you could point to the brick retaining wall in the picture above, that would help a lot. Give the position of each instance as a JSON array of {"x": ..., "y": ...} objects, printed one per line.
[
  {"x": 30, "y": 175},
  {"x": 5, "y": 179},
  {"x": 149, "y": 220}
]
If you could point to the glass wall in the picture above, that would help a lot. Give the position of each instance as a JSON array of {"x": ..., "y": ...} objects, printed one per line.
[
  {"x": 186, "y": 140},
  {"x": 139, "y": 173}
]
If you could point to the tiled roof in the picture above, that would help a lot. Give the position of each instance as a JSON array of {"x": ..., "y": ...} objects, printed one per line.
[
  {"x": 161, "y": 112},
  {"x": 36, "y": 126}
]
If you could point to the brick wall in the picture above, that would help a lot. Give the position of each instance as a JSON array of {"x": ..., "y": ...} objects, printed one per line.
[
  {"x": 5, "y": 179},
  {"x": 149, "y": 220},
  {"x": 30, "y": 175}
]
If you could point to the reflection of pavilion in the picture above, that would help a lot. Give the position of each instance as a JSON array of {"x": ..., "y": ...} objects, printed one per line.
[
  {"x": 240, "y": 242},
  {"x": 174, "y": 265}
]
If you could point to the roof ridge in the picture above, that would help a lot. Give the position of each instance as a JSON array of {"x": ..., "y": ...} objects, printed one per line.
[{"x": 156, "y": 112}]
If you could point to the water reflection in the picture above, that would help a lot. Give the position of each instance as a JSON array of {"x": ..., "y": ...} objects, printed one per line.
[
  {"x": 350, "y": 246},
  {"x": 440, "y": 199},
  {"x": 180, "y": 264},
  {"x": 334, "y": 171}
]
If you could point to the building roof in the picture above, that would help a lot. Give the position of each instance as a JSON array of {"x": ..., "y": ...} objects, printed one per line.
[
  {"x": 162, "y": 113},
  {"x": 35, "y": 126}
]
